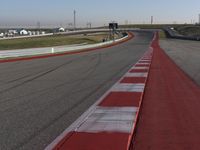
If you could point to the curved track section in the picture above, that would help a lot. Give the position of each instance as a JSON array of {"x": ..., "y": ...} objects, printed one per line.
[
  {"x": 169, "y": 118},
  {"x": 40, "y": 98}
]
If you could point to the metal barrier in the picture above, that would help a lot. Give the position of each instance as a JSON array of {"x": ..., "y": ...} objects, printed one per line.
[{"x": 173, "y": 34}]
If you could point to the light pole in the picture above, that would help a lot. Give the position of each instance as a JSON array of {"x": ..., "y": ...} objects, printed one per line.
[
  {"x": 74, "y": 19},
  {"x": 199, "y": 19},
  {"x": 89, "y": 25},
  {"x": 151, "y": 19}
]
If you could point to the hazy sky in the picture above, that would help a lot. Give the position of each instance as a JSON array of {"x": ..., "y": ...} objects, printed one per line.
[{"x": 99, "y": 12}]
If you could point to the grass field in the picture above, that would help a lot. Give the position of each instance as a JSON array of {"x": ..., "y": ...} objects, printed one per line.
[
  {"x": 55, "y": 40},
  {"x": 188, "y": 30},
  {"x": 162, "y": 35}
]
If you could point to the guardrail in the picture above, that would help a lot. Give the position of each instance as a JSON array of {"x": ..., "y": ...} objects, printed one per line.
[
  {"x": 51, "y": 50},
  {"x": 173, "y": 34}
]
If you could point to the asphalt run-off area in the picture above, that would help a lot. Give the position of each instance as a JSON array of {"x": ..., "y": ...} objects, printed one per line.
[
  {"x": 131, "y": 96},
  {"x": 169, "y": 115}
]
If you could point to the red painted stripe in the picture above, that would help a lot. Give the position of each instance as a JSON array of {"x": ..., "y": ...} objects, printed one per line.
[
  {"x": 133, "y": 80},
  {"x": 94, "y": 141},
  {"x": 138, "y": 70},
  {"x": 65, "y": 53},
  {"x": 107, "y": 140},
  {"x": 174, "y": 101},
  {"x": 119, "y": 99}
]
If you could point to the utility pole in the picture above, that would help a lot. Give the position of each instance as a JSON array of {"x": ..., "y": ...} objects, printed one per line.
[
  {"x": 74, "y": 19},
  {"x": 70, "y": 25},
  {"x": 89, "y": 25},
  {"x": 38, "y": 25},
  {"x": 199, "y": 19},
  {"x": 151, "y": 19}
]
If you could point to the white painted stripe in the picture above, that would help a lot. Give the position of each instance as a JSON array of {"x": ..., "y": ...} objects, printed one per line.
[
  {"x": 149, "y": 57},
  {"x": 110, "y": 119},
  {"x": 126, "y": 87},
  {"x": 114, "y": 109},
  {"x": 136, "y": 74},
  {"x": 142, "y": 63},
  {"x": 143, "y": 59},
  {"x": 147, "y": 61},
  {"x": 78, "y": 124},
  {"x": 137, "y": 68}
]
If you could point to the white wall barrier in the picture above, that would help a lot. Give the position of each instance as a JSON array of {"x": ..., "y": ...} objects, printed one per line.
[{"x": 50, "y": 50}]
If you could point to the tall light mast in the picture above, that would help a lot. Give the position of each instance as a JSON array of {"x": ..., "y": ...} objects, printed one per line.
[
  {"x": 199, "y": 18},
  {"x": 74, "y": 19},
  {"x": 151, "y": 19}
]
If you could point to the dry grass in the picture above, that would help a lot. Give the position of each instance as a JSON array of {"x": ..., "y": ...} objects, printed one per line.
[{"x": 55, "y": 40}]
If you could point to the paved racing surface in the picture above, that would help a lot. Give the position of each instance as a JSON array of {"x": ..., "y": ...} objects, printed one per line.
[
  {"x": 186, "y": 54},
  {"x": 40, "y": 98},
  {"x": 169, "y": 119}
]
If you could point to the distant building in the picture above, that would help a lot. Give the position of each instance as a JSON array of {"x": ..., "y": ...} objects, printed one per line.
[
  {"x": 13, "y": 32},
  {"x": 29, "y": 33},
  {"x": 23, "y": 32},
  {"x": 43, "y": 32},
  {"x": 59, "y": 30},
  {"x": 33, "y": 33},
  {"x": 37, "y": 32},
  {"x": 8, "y": 34},
  {"x": 1, "y": 35}
]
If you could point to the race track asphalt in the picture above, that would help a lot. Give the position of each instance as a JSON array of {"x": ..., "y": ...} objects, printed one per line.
[
  {"x": 169, "y": 117},
  {"x": 186, "y": 54},
  {"x": 40, "y": 98}
]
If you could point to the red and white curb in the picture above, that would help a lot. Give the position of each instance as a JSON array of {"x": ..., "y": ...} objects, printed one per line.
[{"x": 109, "y": 124}]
